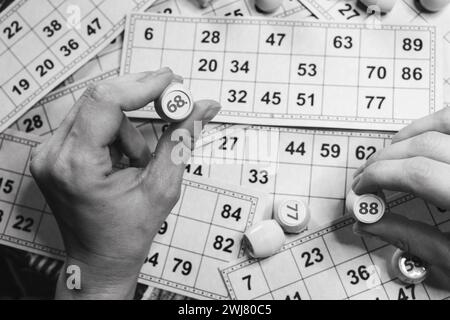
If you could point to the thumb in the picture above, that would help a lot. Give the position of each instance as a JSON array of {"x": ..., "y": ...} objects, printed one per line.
[
  {"x": 165, "y": 171},
  {"x": 417, "y": 238}
]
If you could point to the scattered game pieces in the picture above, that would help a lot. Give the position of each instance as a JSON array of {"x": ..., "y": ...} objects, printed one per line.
[
  {"x": 264, "y": 239},
  {"x": 366, "y": 208},
  {"x": 175, "y": 104},
  {"x": 408, "y": 268},
  {"x": 292, "y": 215},
  {"x": 383, "y": 5}
]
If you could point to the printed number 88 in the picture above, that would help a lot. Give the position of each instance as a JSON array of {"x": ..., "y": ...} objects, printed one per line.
[{"x": 365, "y": 208}]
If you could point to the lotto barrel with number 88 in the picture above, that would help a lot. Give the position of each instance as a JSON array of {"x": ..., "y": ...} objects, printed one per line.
[{"x": 366, "y": 208}]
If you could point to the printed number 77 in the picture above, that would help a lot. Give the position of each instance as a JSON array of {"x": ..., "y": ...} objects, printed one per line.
[{"x": 248, "y": 278}]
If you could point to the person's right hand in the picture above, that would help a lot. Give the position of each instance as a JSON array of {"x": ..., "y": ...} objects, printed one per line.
[{"x": 417, "y": 162}]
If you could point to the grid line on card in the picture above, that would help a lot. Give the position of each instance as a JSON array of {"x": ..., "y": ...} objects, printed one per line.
[
  {"x": 394, "y": 74},
  {"x": 335, "y": 265},
  {"x": 223, "y": 64},
  {"x": 256, "y": 68},
  {"x": 207, "y": 236},
  {"x": 324, "y": 55},
  {"x": 290, "y": 66},
  {"x": 359, "y": 73},
  {"x": 284, "y": 54},
  {"x": 192, "y": 51},
  {"x": 174, "y": 228},
  {"x": 163, "y": 42}
]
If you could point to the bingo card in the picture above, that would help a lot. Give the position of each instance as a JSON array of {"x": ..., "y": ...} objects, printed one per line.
[
  {"x": 333, "y": 263},
  {"x": 315, "y": 166},
  {"x": 294, "y": 73},
  {"x": 109, "y": 58},
  {"x": 41, "y": 45},
  {"x": 404, "y": 11},
  {"x": 203, "y": 231}
]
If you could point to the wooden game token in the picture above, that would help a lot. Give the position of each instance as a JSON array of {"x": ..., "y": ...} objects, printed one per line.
[
  {"x": 292, "y": 215},
  {"x": 366, "y": 208},
  {"x": 175, "y": 104},
  {"x": 264, "y": 239},
  {"x": 385, "y": 6},
  {"x": 408, "y": 268},
  {"x": 434, "y": 5},
  {"x": 268, "y": 6}
]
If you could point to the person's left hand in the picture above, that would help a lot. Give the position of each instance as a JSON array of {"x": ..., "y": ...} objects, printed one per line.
[
  {"x": 418, "y": 162},
  {"x": 108, "y": 218}
]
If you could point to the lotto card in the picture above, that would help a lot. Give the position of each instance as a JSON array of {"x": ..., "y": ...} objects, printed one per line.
[
  {"x": 109, "y": 59},
  {"x": 310, "y": 165},
  {"x": 294, "y": 73},
  {"x": 43, "y": 43},
  {"x": 203, "y": 231},
  {"x": 333, "y": 263},
  {"x": 404, "y": 12}
]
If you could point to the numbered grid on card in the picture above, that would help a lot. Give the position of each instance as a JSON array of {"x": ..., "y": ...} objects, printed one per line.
[
  {"x": 333, "y": 263},
  {"x": 62, "y": 35},
  {"x": 44, "y": 118},
  {"x": 340, "y": 79},
  {"x": 315, "y": 166},
  {"x": 197, "y": 238},
  {"x": 25, "y": 219}
]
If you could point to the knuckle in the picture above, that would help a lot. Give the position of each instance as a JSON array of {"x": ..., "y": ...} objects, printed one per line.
[
  {"x": 170, "y": 194},
  {"x": 166, "y": 193},
  {"x": 100, "y": 92},
  {"x": 417, "y": 170},
  {"x": 445, "y": 117},
  {"x": 372, "y": 171},
  {"x": 426, "y": 142},
  {"x": 37, "y": 167}
]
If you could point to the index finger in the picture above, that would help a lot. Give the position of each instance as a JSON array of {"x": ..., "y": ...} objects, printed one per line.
[
  {"x": 98, "y": 121},
  {"x": 417, "y": 238},
  {"x": 438, "y": 121}
]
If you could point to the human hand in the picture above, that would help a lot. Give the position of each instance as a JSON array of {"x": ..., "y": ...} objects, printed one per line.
[
  {"x": 108, "y": 218},
  {"x": 418, "y": 162}
]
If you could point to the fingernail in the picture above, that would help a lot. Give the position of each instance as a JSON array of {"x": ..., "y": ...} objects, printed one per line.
[
  {"x": 162, "y": 71},
  {"x": 178, "y": 78},
  {"x": 359, "y": 170},
  {"x": 356, "y": 181},
  {"x": 362, "y": 233},
  {"x": 212, "y": 111}
]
